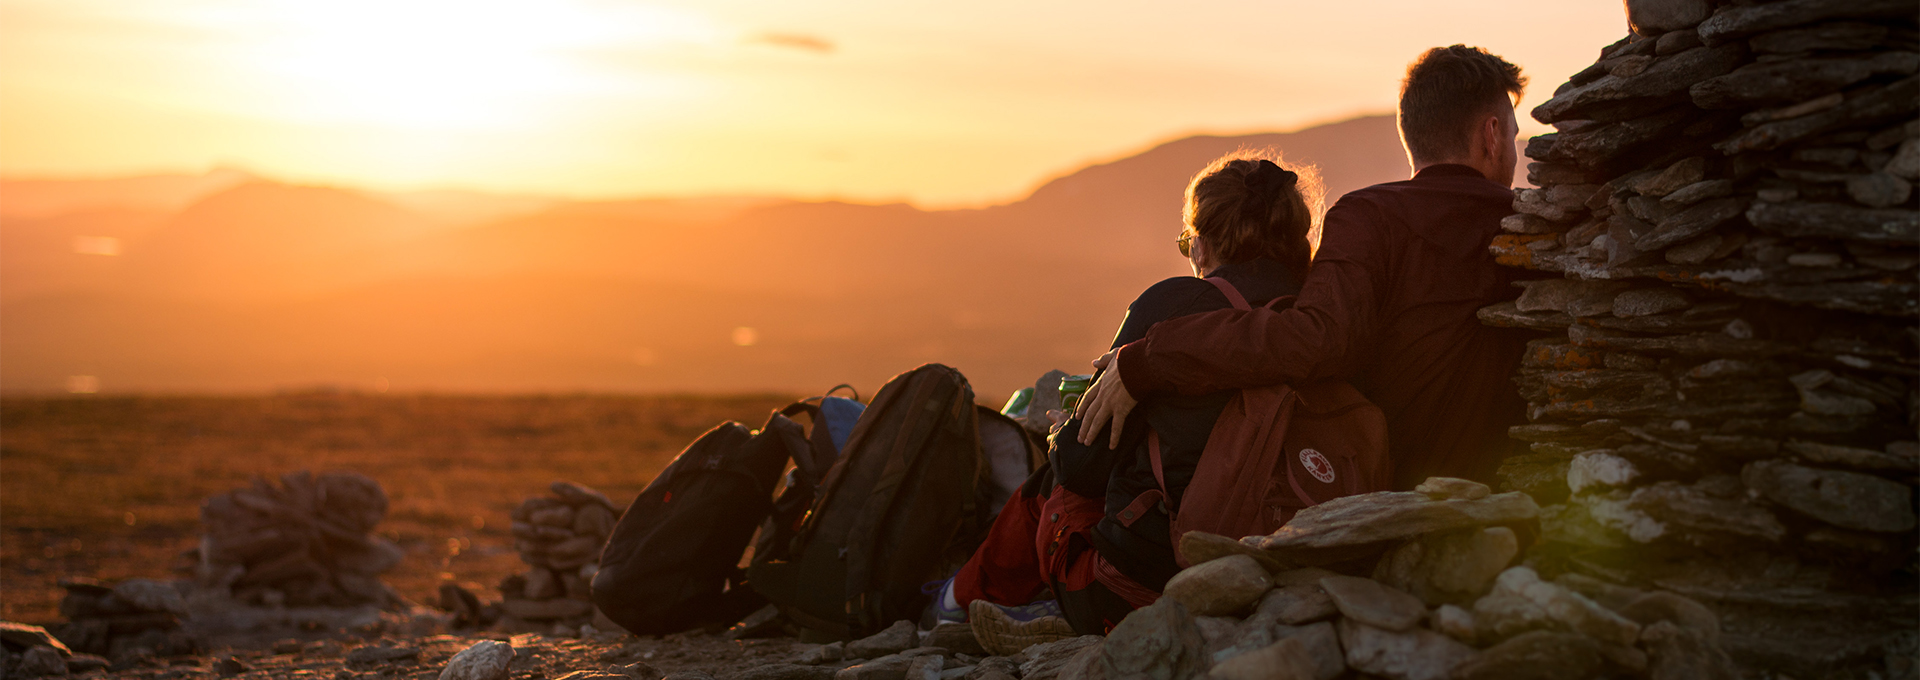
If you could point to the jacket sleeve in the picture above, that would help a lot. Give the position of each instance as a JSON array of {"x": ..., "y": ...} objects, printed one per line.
[{"x": 1319, "y": 337}]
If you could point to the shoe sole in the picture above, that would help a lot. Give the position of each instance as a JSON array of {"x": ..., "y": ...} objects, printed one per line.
[{"x": 1002, "y": 635}]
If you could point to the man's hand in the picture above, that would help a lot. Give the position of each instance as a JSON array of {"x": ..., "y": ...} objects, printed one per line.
[{"x": 1106, "y": 402}]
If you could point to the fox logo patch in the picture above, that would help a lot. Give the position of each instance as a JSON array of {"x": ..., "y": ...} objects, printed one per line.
[{"x": 1317, "y": 465}]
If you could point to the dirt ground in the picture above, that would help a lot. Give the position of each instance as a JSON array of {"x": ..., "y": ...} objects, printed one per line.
[{"x": 110, "y": 487}]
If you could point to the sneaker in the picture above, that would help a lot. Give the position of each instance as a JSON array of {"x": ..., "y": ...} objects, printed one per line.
[
  {"x": 938, "y": 612},
  {"x": 1004, "y": 630}
]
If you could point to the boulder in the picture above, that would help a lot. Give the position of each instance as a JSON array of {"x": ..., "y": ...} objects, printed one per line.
[
  {"x": 1455, "y": 566},
  {"x": 923, "y": 667},
  {"x": 1658, "y": 606},
  {"x": 1416, "y": 654},
  {"x": 1369, "y": 602},
  {"x": 832, "y": 651},
  {"x": 1322, "y": 646},
  {"x": 1087, "y": 664},
  {"x": 1654, "y": 17},
  {"x": 1521, "y": 602},
  {"x": 1283, "y": 660},
  {"x": 1220, "y": 587},
  {"x": 1156, "y": 642},
  {"x": 1677, "y": 653},
  {"x": 994, "y": 665},
  {"x": 41, "y": 660},
  {"x": 1849, "y": 500},
  {"x": 1049, "y": 660},
  {"x": 1538, "y": 655},
  {"x": 1294, "y": 605},
  {"x": 1454, "y": 622},
  {"x": 1364, "y": 524}
]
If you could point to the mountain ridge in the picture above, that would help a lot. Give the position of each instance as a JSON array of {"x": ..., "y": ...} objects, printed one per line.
[{"x": 631, "y": 295}]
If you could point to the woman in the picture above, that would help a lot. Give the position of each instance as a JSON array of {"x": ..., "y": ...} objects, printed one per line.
[{"x": 1094, "y": 528}]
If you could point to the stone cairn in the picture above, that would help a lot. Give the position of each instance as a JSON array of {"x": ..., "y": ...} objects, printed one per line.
[
  {"x": 305, "y": 542},
  {"x": 1413, "y": 585},
  {"x": 559, "y": 536},
  {"x": 135, "y": 617},
  {"x": 1725, "y": 406}
]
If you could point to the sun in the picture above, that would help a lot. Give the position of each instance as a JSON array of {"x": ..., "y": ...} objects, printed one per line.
[{"x": 440, "y": 64}]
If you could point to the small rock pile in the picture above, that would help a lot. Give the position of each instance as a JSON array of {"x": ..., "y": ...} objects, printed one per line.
[
  {"x": 1727, "y": 405},
  {"x": 133, "y": 618},
  {"x": 559, "y": 536},
  {"x": 304, "y": 542},
  {"x": 1417, "y": 585},
  {"x": 28, "y": 651},
  {"x": 949, "y": 651}
]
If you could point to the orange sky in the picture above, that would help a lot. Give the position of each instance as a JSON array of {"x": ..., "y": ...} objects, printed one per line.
[{"x": 935, "y": 103}]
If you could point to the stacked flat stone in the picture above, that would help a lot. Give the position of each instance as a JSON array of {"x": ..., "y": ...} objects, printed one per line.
[
  {"x": 1725, "y": 404},
  {"x": 306, "y": 541},
  {"x": 559, "y": 536},
  {"x": 1407, "y": 585},
  {"x": 135, "y": 617},
  {"x": 1420, "y": 585}
]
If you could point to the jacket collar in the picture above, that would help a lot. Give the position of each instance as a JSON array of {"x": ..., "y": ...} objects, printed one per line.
[{"x": 1448, "y": 170}]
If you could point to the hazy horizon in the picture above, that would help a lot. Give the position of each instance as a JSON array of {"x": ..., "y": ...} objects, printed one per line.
[{"x": 227, "y": 282}]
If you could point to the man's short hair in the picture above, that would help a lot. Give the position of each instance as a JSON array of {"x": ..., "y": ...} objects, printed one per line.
[{"x": 1446, "y": 91}]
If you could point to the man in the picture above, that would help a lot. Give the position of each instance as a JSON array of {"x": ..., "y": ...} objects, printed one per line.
[{"x": 1390, "y": 301}]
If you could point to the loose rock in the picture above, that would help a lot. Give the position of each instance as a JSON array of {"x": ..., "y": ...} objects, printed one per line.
[
  {"x": 897, "y": 638},
  {"x": 1220, "y": 587},
  {"x": 1539, "y": 655},
  {"x": 1157, "y": 642},
  {"x": 1416, "y": 654},
  {"x": 1283, "y": 660},
  {"x": 1369, "y": 602},
  {"x": 484, "y": 660}
]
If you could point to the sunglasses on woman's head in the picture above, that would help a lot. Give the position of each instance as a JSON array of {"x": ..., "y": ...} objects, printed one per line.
[{"x": 1186, "y": 242}]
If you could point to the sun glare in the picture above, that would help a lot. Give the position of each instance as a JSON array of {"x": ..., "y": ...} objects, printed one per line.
[{"x": 441, "y": 64}]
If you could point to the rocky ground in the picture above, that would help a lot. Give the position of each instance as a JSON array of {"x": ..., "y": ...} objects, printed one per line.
[
  {"x": 402, "y": 656},
  {"x": 1422, "y": 585}
]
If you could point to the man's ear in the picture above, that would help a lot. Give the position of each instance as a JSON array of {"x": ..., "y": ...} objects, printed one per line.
[{"x": 1489, "y": 133}]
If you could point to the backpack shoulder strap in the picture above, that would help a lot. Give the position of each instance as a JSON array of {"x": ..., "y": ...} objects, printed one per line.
[
  {"x": 1153, "y": 456},
  {"x": 1233, "y": 294}
]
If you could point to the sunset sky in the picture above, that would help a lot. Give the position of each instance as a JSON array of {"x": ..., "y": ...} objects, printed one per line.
[{"x": 940, "y": 104}]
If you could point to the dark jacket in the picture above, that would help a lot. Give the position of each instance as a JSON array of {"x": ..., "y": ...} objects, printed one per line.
[
  {"x": 1389, "y": 306},
  {"x": 1142, "y": 548}
]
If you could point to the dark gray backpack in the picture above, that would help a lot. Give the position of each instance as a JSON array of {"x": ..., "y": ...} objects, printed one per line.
[{"x": 909, "y": 499}]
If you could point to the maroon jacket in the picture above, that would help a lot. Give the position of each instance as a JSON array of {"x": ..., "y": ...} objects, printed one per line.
[{"x": 1388, "y": 305}]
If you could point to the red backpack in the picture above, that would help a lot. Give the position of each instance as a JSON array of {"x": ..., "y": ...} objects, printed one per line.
[{"x": 1276, "y": 450}]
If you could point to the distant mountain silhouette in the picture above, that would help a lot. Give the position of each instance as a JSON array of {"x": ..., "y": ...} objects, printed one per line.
[
  {"x": 39, "y": 198},
  {"x": 267, "y": 285}
]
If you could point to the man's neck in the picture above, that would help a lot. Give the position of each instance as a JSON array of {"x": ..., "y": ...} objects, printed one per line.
[{"x": 1418, "y": 167}]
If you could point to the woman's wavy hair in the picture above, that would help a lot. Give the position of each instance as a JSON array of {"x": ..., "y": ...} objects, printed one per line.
[{"x": 1248, "y": 204}]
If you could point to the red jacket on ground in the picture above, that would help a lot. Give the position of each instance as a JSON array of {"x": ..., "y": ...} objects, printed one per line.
[{"x": 1389, "y": 305}]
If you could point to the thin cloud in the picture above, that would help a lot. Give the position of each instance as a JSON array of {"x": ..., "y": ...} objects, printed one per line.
[{"x": 794, "y": 41}]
